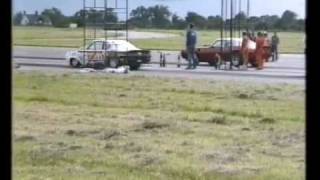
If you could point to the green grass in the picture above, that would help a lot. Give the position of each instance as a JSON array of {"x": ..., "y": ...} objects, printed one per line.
[
  {"x": 75, "y": 126},
  {"x": 291, "y": 42}
]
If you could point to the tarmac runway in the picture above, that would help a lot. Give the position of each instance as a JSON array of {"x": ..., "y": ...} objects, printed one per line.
[{"x": 290, "y": 68}]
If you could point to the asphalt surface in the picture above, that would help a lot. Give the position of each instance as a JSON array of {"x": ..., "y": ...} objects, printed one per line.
[{"x": 289, "y": 69}]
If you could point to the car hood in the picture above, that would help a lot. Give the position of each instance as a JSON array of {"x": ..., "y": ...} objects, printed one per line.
[{"x": 123, "y": 47}]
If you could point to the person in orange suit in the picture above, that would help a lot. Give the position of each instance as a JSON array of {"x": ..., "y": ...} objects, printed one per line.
[
  {"x": 266, "y": 46},
  {"x": 260, "y": 51},
  {"x": 245, "y": 49}
]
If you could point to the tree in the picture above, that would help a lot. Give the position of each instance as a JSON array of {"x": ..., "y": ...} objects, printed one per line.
[
  {"x": 155, "y": 16},
  {"x": 242, "y": 18},
  {"x": 141, "y": 17},
  {"x": 288, "y": 18},
  {"x": 160, "y": 16},
  {"x": 56, "y": 17},
  {"x": 78, "y": 17},
  {"x": 214, "y": 22},
  {"x": 178, "y": 22},
  {"x": 17, "y": 18},
  {"x": 94, "y": 17},
  {"x": 196, "y": 19}
]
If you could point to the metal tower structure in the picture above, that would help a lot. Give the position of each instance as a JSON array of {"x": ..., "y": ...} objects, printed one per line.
[
  {"x": 231, "y": 24},
  {"x": 107, "y": 19}
]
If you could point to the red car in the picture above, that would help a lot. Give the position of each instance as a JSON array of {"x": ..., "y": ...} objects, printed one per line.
[{"x": 209, "y": 53}]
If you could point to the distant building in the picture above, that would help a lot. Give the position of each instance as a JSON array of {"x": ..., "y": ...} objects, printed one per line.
[
  {"x": 35, "y": 19},
  {"x": 73, "y": 25}
]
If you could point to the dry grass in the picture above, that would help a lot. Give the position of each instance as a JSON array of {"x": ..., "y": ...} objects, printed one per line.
[
  {"x": 116, "y": 127},
  {"x": 291, "y": 42}
]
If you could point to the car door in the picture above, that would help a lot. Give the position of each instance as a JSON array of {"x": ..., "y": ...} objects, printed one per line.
[
  {"x": 219, "y": 47},
  {"x": 205, "y": 54},
  {"x": 95, "y": 52}
]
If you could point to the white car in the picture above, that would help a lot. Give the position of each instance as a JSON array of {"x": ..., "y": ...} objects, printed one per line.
[{"x": 108, "y": 53}]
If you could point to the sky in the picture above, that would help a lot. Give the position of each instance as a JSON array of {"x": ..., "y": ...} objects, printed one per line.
[{"x": 180, "y": 7}]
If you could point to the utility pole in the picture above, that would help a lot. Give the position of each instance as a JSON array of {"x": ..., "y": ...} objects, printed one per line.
[
  {"x": 239, "y": 18},
  {"x": 231, "y": 32},
  {"x": 248, "y": 14},
  {"x": 222, "y": 25}
]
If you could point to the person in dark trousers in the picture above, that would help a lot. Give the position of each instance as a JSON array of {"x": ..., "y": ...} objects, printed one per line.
[
  {"x": 245, "y": 49},
  {"x": 191, "y": 47},
  {"x": 252, "y": 37},
  {"x": 275, "y": 41}
]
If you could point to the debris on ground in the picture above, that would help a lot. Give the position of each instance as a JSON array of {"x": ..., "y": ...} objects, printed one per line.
[
  {"x": 120, "y": 70},
  {"x": 87, "y": 70},
  {"x": 153, "y": 125},
  {"x": 268, "y": 120},
  {"x": 16, "y": 65},
  {"x": 25, "y": 138}
]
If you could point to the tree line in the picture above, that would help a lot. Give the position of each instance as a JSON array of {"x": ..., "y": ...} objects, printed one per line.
[{"x": 161, "y": 17}]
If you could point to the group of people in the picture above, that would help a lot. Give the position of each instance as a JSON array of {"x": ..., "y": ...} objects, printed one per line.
[{"x": 262, "y": 45}]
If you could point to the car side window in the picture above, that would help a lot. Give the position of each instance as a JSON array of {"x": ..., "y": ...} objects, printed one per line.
[
  {"x": 226, "y": 44},
  {"x": 107, "y": 46},
  {"x": 96, "y": 46},
  {"x": 217, "y": 44}
]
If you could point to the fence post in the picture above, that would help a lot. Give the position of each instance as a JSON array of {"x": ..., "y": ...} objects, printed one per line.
[
  {"x": 179, "y": 61},
  {"x": 161, "y": 59}
]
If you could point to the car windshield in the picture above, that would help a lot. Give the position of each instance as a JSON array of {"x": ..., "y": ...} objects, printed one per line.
[
  {"x": 217, "y": 43},
  {"x": 120, "y": 46},
  {"x": 112, "y": 45},
  {"x": 226, "y": 43},
  {"x": 98, "y": 45}
]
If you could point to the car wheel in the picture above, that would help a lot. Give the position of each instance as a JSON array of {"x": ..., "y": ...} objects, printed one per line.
[
  {"x": 114, "y": 63},
  {"x": 99, "y": 66},
  {"x": 74, "y": 63},
  {"x": 236, "y": 60},
  {"x": 254, "y": 64},
  {"x": 212, "y": 63},
  {"x": 135, "y": 66}
]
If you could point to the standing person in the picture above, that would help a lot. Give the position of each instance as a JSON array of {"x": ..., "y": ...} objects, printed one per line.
[
  {"x": 253, "y": 38},
  {"x": 266, "y": 47},
  {"x": 275, "y": 41},
  {"x": 245, "y": 49},
  {"x": 191, "y": 46},
  {"x": 259, "y": 51}
]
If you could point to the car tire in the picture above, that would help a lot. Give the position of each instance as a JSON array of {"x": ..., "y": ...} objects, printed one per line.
[
  {"x": 236, "y": 60},
  {"x": 135, "y": 66},
  {"x": 254, "y": 64},
  {"x": 212, "y": 63},
  {"x": 99, "y": 66},
  {"x": 114, "y": 62},
  {"x": 74, "y": 63}
]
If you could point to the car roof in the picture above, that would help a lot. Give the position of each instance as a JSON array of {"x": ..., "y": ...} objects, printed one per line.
[
  {"x": 228, "y": 39},
  {"x": 117, "y": 41},
  {"x": 122, "y": 45}
]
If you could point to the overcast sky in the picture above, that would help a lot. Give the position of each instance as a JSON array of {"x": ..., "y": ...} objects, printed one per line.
[{"x": 180, "y": 7}]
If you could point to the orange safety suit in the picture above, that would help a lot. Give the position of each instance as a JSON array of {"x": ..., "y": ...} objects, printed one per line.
[
  {"x": 259, "y": 52},
  {"x": 245, "y": 50},
  {"x": 266, "y": 48}
]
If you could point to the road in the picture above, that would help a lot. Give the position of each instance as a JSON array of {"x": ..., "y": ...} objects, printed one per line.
[{"x": 289, "y": 69}]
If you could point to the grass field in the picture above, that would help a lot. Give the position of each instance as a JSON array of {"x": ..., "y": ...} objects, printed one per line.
[
  {"x": 291, "y": 42},
  {"x": 83, "y": 127}
]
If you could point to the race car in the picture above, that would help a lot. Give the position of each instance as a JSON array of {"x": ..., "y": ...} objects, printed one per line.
[
  {"x": 102, "y": 53},
  {"x": 222, "y": 48}
]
